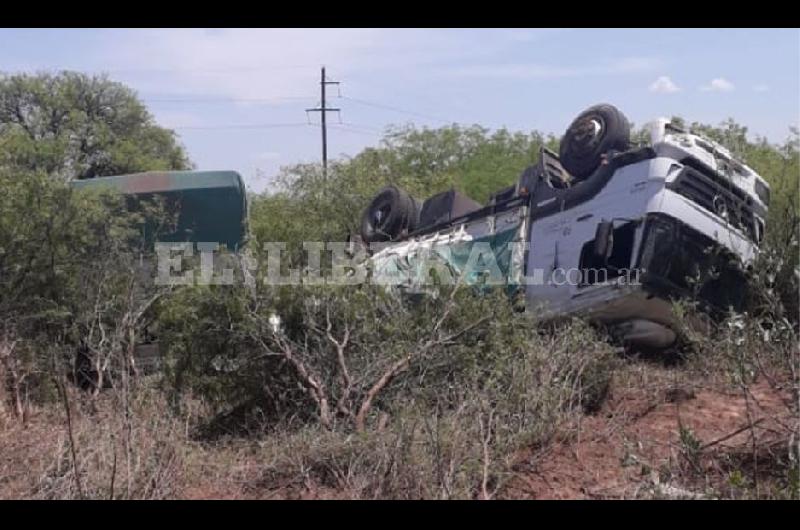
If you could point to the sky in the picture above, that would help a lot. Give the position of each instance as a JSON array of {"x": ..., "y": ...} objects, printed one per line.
[{"x": 237, "y": 98}]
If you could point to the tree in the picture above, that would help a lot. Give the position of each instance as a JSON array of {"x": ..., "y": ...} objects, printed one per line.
[
  {"x": 73, "y": 126},
  {"x": 305, "y": 206},
  {"x": 68, "y": 270},
  {"x": 67, "y": 261}
]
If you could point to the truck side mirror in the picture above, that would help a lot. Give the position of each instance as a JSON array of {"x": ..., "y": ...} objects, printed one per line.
[{"x": 604, "y": 239}]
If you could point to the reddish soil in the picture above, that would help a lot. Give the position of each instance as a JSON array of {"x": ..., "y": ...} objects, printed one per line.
[
  {"x": 624, "y": 450},
  {"x": 618, "y": 452}
]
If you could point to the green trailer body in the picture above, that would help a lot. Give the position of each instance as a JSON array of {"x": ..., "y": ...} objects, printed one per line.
[{"x": 211, "y": 205}]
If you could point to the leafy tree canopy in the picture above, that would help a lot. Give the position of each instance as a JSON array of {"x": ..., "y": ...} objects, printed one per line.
[{"x": 74, "y": 126}]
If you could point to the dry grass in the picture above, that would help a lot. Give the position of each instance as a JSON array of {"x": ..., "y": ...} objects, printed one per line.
[
  {"x": 566, "y": 420},
  {"x": 116, "y": 455}
]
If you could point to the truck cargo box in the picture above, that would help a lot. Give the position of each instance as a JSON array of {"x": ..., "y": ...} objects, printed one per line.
[{"x": 211, "y": 205}]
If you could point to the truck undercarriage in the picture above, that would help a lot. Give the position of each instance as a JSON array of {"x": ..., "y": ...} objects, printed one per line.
[{"x": 637, "y": 228}]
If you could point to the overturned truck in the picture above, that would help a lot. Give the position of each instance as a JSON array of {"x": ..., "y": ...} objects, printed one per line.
[
  {"x": 604, "y": 229},
  {"x": 197, "y": 207}
]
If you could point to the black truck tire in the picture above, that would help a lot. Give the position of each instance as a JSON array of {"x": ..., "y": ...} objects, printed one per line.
[
  {"x": 390, "y": 213},
  {"x": 595, "y": 131}
]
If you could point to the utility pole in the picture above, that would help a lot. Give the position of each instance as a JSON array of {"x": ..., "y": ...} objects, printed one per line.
[{"x": 323, "y": 109}]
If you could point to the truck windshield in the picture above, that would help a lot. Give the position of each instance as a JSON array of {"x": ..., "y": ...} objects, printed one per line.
[{"x": 677, "y": 257}]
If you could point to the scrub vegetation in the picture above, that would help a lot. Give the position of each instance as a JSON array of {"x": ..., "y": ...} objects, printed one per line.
[{"x": 349, "y": 391}]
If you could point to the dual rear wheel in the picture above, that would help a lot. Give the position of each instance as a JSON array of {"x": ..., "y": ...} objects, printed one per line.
[{"x": 595, "y": 132}]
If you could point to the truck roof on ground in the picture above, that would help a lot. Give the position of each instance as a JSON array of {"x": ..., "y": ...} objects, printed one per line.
[
  {"x": 165, "y": 181},
  {"x": 212, "y": 204}
]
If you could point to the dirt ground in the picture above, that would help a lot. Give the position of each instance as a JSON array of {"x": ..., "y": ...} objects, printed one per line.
[
  {"x": 631, "y": 448},
  {"x": 655, "y": 436},
  {"x": 624, "y": 450}
]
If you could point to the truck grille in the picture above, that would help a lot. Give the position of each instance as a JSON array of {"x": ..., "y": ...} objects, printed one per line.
[{"x": 716, "y": 194}]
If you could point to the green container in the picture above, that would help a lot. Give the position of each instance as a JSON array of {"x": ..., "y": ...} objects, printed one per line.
[{"x": 211, "y": 205}]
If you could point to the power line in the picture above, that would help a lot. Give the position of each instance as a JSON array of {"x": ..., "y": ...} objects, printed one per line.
[
  {"x": 239, "y": 126},
  {"x": 226, "y": 100},
  {"x": 366, "y": 132},
  {"x": 220, "y": 70},
  {"x": 322, "y": 108},
  {"x": 359, "y": 126},
  {"x": 396, "y": 109},
  {"x": 323, "y": 111},
  {"x": 344, "y": 126},
  {"x": 170, "y": 70},
  {"x": 390, "y": 93}
]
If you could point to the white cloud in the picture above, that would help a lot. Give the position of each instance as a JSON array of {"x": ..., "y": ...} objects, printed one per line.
[
  {"x": 543, "y": 71},
  {"x": 173, "y": 119},
  {"x": 761, "y": 88},
  {"x": 267, "y": 155},
  {"x": 529, "y": 35},
  {"x": 232, "y": 63},
  {"x": 268, "y": 64},
  {"x": 664, "y": 85},
  {"x": 719, "y": 84},
  {"x": 273, "y": 63}
]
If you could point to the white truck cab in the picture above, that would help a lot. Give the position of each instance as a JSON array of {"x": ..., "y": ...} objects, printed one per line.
[
  {"x": 604, "y": 230},
  {"x": 672, "y": 141}
]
